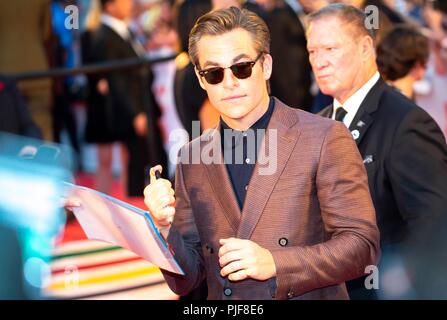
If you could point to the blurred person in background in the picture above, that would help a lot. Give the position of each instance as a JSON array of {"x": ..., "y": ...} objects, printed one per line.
[
  {"x": 97, "y": 127},
  {"x": 25, "y": 31},
  {"x": 388, "y": 16},
  {"x": 154, "y": 18},
  {"x": 63, "y": 56},
  {"x": 402, "y": 58},
  {"x": 291, "y": 78},
  {"x": 436, "y": 19},
  {"x": 312, "y": 5},
  {"x": 190, "y": 100},
  {"x": 122, "y": 106}
]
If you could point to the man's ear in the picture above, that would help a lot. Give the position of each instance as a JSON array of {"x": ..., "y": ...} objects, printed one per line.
[
  {"x": 267, "y": 66},
  {"x": 199, "y": 78},
  {"x": 367, "y": 46}
]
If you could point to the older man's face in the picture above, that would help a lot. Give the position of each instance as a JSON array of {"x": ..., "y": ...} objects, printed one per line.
[{"x": 335, "y": 56}]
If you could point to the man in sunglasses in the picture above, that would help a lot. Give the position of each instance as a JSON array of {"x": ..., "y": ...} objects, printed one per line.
[{"x": 298, "y": 231}]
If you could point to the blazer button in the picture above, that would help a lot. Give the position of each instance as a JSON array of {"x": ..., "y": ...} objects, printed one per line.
[
  {"x": 283, "y": 242},
  {"x": 209, "y": 249},
  {"x": 228, "y": 292},
  {"x": 290, "y": 294}
]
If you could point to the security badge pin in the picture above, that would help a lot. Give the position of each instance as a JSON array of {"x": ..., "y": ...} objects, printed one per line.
[
  {"x": 355, "y": 134},
  {"x": 368, "y": 159}
]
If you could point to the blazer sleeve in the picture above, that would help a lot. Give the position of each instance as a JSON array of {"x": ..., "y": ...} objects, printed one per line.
[
  {"x": 185, "y": 242},
  {"x": 417, "y": 169},
  {"x": 349, "y": 220}
]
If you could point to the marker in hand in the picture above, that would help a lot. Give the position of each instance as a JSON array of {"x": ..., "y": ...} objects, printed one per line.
[
  {"x": 158, "y": 176},
  {"x": 159, "y": 196}
]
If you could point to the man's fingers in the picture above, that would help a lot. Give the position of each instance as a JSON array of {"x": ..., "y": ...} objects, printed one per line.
[
  {"x": 230, "y": 244},
  {"x": 239, "y": 275},
  {"x": 231, "y": 268},
  {"x": 70, "y": 203},
  {"x": 159, "y": 187},
  {"x": 167, "y": 215},
  {"x": 164, "y": 202},
  {"x": 230, "y": 257}
]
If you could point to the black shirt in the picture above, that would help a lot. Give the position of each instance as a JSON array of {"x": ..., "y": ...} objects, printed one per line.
[{"x": 240, "y": 150}]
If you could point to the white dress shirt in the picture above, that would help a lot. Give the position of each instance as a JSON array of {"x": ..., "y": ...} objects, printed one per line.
[{"x": 353, "y": 103}]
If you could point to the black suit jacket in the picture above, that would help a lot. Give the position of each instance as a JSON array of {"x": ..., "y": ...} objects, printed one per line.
[
  {"x": 129, "y": 89},
  {"x": 110, "y": 117},
  {"x": 291, "y": 75},
  {"x": 405, "y": 156}
]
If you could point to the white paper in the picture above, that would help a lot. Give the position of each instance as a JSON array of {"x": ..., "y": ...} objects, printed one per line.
[{"x": 108, "y": 219}]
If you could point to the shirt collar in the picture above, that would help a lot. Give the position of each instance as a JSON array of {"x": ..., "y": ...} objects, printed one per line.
[
  {"x": 261, "y": 123},
  {"x": 353, "y": 103},
  {"x": 119, "y": 26}
]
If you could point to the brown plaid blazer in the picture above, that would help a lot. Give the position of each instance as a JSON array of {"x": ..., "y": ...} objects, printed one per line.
[{"x": 314, "y": 213}]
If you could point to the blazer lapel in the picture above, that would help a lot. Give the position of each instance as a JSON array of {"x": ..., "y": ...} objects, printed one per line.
[
  {"x": 363, "y": 119},
  {"x": 221, "y": 184},
  {"x": 261, "y": 186}
]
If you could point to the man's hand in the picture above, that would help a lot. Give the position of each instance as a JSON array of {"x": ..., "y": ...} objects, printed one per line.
[
  {"x": 70, "y": 204},
  {"x": 159, "y": 198},
  {"x": 103, "y": 87},
  {"x": 140, "y": 124},
  {"x": 242, "y": 259}
]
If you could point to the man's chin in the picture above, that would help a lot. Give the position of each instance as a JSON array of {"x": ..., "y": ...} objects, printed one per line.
[
  {"x": 326, "y": 91},
  {"x": 235, "y": 116}
]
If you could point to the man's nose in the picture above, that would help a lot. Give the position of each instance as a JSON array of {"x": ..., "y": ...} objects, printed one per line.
[
  {"x": 229, "y": 80},
  {"x": 319, "y": 61}
]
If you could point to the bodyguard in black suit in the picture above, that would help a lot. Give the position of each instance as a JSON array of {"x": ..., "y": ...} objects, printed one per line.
[
  {"x": 121, "y": 114},
  {"x": 405, "y": 156},
  {"x": 403, "y": 149},
  {"x": 291, "y": 78}
]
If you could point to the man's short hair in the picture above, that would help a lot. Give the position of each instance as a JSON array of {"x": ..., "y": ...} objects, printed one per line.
[
  {"x": 400, "y": 50},
  {"x": 221, "y": 21},
  {"x": 105, "y": 2},
  {"x": 348, "y": 14}
]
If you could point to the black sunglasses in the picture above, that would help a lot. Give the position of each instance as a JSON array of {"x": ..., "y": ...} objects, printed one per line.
[{"x": 241, "y": 70}]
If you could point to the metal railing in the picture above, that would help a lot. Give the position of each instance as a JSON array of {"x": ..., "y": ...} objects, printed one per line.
[{"x": 108, "y": 66}]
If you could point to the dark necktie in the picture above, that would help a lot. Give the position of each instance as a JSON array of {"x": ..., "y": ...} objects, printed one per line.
[
  {"x": 132, "y": 35},
  {"x": 340, "y": 114},
  {"x": 137, "y": 46}
]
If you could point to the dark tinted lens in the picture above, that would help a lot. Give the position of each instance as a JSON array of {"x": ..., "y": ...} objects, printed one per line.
[
  {"x": 214, "y": 76},
  {"x": 242, "y": 70}
]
